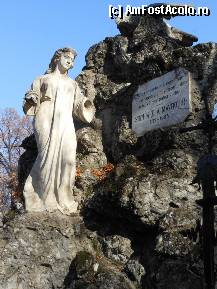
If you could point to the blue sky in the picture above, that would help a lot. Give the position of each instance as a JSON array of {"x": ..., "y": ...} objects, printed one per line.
[{"x": 31, "y": 31}]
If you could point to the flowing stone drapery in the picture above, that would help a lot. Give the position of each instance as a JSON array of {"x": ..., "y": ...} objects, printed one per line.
[{"x": 50, "y": 183}]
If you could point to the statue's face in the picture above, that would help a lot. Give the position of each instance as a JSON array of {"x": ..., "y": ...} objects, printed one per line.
[{"x": 66, "y": 60}]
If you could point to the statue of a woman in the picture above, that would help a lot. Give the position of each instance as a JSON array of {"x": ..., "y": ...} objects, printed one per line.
[{"x": 54, "y": 99}]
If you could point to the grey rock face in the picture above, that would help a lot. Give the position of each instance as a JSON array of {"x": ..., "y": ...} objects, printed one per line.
[
  {"x": 128, "y": 24},
  {"x": 33, "y": 247},
  {"x": 90, "y": 160},
  {"x": 104, "y": 281},
  {"x": 55, "y": 251},
  {"x": 90, "y": 273},
  {"x": 117, "y": 248},
  {"x": 178, "y": 276},
  {"x": 89, "y": 141},
  {"x": 178, "y": 237},
  {"x": 135, "y": 270},
  {"x": 1, "y": 219},
  {"x": 142, "y": 212}
]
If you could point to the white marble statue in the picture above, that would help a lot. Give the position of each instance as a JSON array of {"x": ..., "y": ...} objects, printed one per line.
[{"x": 54, "y": 99}]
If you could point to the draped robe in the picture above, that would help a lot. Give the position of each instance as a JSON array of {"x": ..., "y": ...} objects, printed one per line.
[{"x": 50, "y": 183}]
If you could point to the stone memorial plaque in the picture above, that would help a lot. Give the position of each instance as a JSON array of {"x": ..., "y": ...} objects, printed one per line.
[{"x": 162, "y": 102}]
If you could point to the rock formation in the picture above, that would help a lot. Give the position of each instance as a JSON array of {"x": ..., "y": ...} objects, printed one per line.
[{"x": 139, "y": 224}]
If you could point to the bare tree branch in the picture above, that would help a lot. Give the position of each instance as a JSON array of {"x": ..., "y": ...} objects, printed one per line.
[{"x": 13, "y": 129}]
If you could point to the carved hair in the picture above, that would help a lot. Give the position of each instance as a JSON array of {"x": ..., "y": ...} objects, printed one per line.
[{"x": 56, "y": 58}]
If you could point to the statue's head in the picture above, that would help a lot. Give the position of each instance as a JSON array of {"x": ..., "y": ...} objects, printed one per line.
[{"x": 64, "y": 55}]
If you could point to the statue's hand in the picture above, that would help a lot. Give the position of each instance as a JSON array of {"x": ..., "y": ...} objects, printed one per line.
[{"x": 31, "y": 98}]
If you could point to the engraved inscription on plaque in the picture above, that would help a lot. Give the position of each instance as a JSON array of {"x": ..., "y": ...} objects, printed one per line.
[{"x": 162, "y": 102}]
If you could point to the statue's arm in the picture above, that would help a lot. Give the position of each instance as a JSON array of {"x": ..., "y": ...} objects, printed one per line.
[
  {"x": 84, "y": 108},
  {"x": 32, "y": 98}
]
